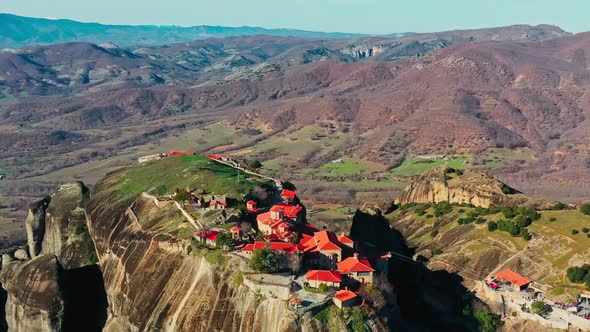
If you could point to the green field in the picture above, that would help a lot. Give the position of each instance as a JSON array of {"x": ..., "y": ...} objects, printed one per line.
[
  {"x": 416, "y": 166},
  {"x": 192, "y": 171}
]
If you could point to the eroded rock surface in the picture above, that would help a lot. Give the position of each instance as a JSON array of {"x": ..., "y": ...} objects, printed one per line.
[
  {"x": 35, "y": 225},
  {"x": 470, "y": 187}
]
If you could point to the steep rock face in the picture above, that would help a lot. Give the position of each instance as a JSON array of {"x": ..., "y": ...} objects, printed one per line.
[
  {"x": 153, "y": 284},
  {"x": 34, "y": 300},
  {"x": 65, "y": 226},
  {"x": 43, "y": 294},
  {"x": 468, "y": 188},
  {"x": 35, "y": 225}
]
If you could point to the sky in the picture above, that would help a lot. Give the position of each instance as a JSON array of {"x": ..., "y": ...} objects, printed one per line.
[{"x": 359, "y": 16}]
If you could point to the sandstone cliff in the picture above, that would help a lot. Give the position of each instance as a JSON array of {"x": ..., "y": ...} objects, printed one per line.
[
  {"x": 40, "y": 289},
  {"x": 467, "y": 187},
  {"x": 153, "y": 284}
]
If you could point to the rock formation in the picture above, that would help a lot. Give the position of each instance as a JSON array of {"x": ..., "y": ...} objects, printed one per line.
[
  {"x": 153, "y": 284},
  {"x": 58, "y": 242},
  {"x": 466, "y": 187},
  {"x": 35, "y": 225},
  {"x": 34, "y": 299}
]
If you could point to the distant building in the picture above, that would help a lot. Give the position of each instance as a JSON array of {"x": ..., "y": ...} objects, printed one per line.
[
  {"x": 180, "y": 153},
  {"x": 514, "y": 279},
  {"x": 251, "y": 206},
  {"x": 208, "y": 237},
  {"x": 152, "y": 157},
  {"x": 324, "y": 249},
  {"x": 282, "y": 247},
  {"x": 358, "y": 269},
  {"x": 288, "y": 196},
  {"x": 217, "y": 205},
  {"x": 277, "y": 223},
  {"x": 345, "y": 298},
  {"x": 236, "y": 233},
  {"x": 317, "y": 277}
]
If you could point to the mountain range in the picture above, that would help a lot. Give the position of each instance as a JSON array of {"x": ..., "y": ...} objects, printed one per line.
[
  {"x": 19, "y": 31},
  {"x": 510, "y": 100}
]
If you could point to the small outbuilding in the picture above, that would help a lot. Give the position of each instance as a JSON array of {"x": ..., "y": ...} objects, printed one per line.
[
  {"x": 514, "y": 279},
  {"x": 316, "y": 277},
  {"x": 345, "y": 298}
]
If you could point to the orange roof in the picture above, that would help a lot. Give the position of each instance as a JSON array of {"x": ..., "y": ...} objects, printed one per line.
[
  {"x": 344, "y": 295},
  {"x": 323, "y": 275},
  {"x": 354, "y": 264},
  {"x": 320, "y": 241},
  {"x": 277, "y": 208},
  {"x": 290, "y": 194},
  {"x": 235, "y": 229},
  {"x": 291, "y": 211},
  {"x": 344, "y": 239},
  {"x": 513, "y": 278},
  {"x": 277, "y": 246},
  {"x": 295, "y": 300},
  {"x": 217, "y": 203}
]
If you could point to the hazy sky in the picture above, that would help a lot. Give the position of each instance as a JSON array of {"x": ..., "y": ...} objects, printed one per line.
[{"x": 363, "y": 16}]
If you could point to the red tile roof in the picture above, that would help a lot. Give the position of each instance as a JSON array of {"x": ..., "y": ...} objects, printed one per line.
[
  {"x": 177, "y": 153},
  {"x": 344, "y": 295},
  {"x": 213, "y": 156},
  {"x": 212, "y": 203},
  {"x": 512, "y": 277},
  {"x": 288, "y": 248},
  {"x": 291, "y": 211},
  {"x": 344, "y": 239},
  {"x": 295, "y": 300},
  {"x": 323, "y": 275},
  {"x": 277, "y": 208},
  {"x": 354, "y": 264},
  {"x": 290, "y": 194},
  {"x": 210, "y": 235},
  {"x": 235, "y": 229},
  {"x": 320, "y": 241}
]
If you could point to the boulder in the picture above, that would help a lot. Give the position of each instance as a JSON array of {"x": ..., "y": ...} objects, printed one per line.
[{"x": 21, "y": 254}]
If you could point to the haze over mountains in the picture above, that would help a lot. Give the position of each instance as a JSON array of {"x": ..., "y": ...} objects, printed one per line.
[
  {"x": 18, "y": 31},
  {"x": 376, "y": 100}
]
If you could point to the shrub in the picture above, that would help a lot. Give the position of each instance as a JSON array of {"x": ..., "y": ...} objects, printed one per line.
[
  {"x": 437, "y": 252},
  {"x": 255, "y": 164},
  {"x": 492, "y": 226},
  {"x": 585, "y": 209},
  {"x": 459, "y": 172},
  {"x": 428, "y": 216},
  {"x": 584, "y": 230},
  {"x": 265, "y": 260},
  {"x": 540, "y": 308},
  {"x": 578, "y": 274},
  {"x": 480, "y": 220},
  {"x": 558, "y": 206},
  {"x": 575, "y": 231},
  {"x": 442, "y": 208},
  {"x": 552, "y": 219},
  {"x": 322, "y": 287},
  {"x": 488, "y": 322},
  {"x": 461, "y": 210},
  {"x": 224, "y": 240},
  {"x": 434, "y": 233}
]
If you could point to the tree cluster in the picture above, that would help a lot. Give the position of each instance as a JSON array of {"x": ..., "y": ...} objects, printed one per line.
[{"x": 579, "y": 275}]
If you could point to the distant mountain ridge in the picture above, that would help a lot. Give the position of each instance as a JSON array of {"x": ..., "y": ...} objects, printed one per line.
[{"x": 19, "y": 31}]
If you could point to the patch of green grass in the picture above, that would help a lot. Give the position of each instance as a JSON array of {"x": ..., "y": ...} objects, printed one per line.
[
  {"x": 417, "y": 166},
  {"x": 347, "y": 167},
  {"x": 216, "y": 257},
  {"x": 237, "y": 279},
  {"x": 192, "y": 171}
]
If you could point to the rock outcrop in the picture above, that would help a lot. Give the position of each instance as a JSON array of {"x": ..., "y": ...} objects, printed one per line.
[
  {"x": 35, "y": 225},
  {"x": 34, "y": 299},
  {"x": 42, "y": 292},
  {"x": 152, "y": 283},
  {"x": 467, "y": 187}
]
